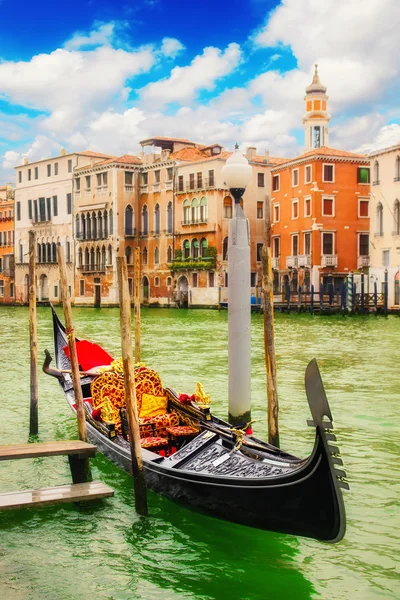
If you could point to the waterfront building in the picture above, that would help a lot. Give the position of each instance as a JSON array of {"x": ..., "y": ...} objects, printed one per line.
[
  {"x": 105, "y": 204},
  {"x": 44, "y": 204},
  {"x": 385, "y": 221},
  {"x": 7, "y": 287},
  {"x": 184, "y": 214},
  {"x": 319, "y": 207}
]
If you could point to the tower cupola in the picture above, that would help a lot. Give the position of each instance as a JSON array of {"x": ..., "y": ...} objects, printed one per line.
[{"x": 316, "y": 118}]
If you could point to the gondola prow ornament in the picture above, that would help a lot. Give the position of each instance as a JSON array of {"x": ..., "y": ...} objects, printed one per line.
[{"x": 237, "y": 174}]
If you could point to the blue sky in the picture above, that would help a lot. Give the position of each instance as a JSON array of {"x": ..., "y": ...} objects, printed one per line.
[{"x": 104, "y": 75}]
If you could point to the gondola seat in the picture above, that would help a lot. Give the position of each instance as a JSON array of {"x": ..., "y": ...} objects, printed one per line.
[
  {"x": 179, "y": 435},
  {"x": 155, "y": 443}
]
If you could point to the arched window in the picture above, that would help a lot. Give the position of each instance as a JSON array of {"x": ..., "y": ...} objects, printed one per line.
[
  {"x": 128, "y": 254},
  {"x": 83, "y": 227},
  {"x": 186, "y": 212},
  {"x": 397, "y": 169},
  {"x": 78, "y": 227},
  {"x": 68, "y": 252},
  {"x": 97, "y": 259},
  {"x": 169, "y": 281},
  {"x": 376, "y": 173},
  {"x": 53, "y": 253},
  {"x": 80, "y": 258},
  {"x": 103, "y": 258},
  {"x": 157, "y": 256},
  {"x": 43, "y": 253},
  {"x": 39, "y": 252},
  {"x": 109, "y": 258},
  {"x": 111, "y": 221},
  {"x": 227, "y": 213},
  {"x": 145, "y": 221},
  {"x": 94, "y": 226},
  {"x": 100, "y": 225},
  {"x": 48, "y": 252},
  {"x": 195, "y": 210},
  {"x": 169, "y": 254},
  {"x": 157, "y": 219},
  {"x": 129, "y": 220},
  {"x": 195, "y": 248},
  {"x": 92, "y": 261},
  {"x": 88, "y": 227},
  {"x": 186, "y": 249},
  {"x": 225, "y": 249},
  {"x": 379, "y": 219},
  {"x": 203, "y": 210},
  {"x": 105, "y": 224},
  {"x": 87, "y": 259},
  {"x": 156, "y": 281},
  {"x": 203, "y": 247},
  {"x": 396, "y": 215},
  {"x": 169, "y": 217},
  {"x": 144, "y": 256}
]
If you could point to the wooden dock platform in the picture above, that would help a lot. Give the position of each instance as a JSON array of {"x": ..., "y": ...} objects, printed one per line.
[{"x": 80, "y": 490}]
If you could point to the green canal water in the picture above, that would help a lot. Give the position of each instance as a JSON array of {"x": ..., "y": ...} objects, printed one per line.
[{"x": 107, "y": 552}]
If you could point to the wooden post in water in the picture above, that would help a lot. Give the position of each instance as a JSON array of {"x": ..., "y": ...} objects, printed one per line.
[
  {"x": 69, "y": 329},
  {"x": 269, "y": 339},
  {"x": 33, "y": 418},
  {"x": 130, "y": 392},
  {"x": 136, "y": 304}
]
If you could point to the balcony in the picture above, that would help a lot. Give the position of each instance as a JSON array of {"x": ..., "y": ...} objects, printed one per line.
[
  {"x": 156, "y": 232},
  {"x": 363, "y": 261},
  {"x": 304, "y": 260},
  {"x": 377, "y": 182},
  {"x": 128, "y": 188},
  {"x": 92, "y": 268},
  {"x": 275, "y": 263},
  {"x": 102, "y": 189},
  {"x": 144, "y": 234},
  {"x": 84, "y": 237},
  {"x": 144, "y": 188},
  {"x": 169, "y": 185},
  {"x": 156, "y": 187},
  {"x": 329, "y": 260},
  {"x": 291, "y": 261},
  {"x": 130, "y": 231},
  {"x": 194, "y": 186}
]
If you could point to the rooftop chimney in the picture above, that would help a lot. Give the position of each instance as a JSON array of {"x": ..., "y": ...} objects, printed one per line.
[
  {"x": 63, "y": 152},
  {"x": 267, "y": 155},
  {"x": 250, "y": 152}
]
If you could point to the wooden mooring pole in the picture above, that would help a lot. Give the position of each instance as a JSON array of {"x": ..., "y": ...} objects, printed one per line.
[
  {"x": 33, "y": 418},
  {"x": 139, "y": 482},
  {"x": 136, "y": 304},
  {"x": 69, "y": 329},
  {"x": 269, "y": 339}
]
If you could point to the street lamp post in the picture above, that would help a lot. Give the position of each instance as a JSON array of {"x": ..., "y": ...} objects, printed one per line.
[{"x": 237, "y": 173}]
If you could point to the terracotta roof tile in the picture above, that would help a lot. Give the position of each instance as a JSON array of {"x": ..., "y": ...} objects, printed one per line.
[
  {"x": 323, "y": 151},
  {"x": 94, "y": 154},
  {"x": 125, "y": 159}
]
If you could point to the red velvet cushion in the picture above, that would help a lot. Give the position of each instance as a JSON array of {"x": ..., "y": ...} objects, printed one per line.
[{"x": 90, "y": 355}]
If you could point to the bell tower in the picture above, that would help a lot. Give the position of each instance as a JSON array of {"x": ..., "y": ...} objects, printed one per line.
[{"x": 316, "y": 118}]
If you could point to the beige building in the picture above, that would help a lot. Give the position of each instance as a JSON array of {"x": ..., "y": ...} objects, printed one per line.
[
  {"x": 105, "y": 199},
  {"x": 385, "y": 221},
  {"x": 44, "y": 203}
]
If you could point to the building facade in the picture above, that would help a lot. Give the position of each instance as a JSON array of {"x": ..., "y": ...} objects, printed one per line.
[
  {"x": 7, "y": 285},
  {"x": 385, "y": 221},
  {"x": 320, "y": 208},
  {"x": 44, "y": 203}
]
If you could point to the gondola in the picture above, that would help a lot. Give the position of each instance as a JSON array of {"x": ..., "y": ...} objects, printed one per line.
[{"x": 227, "y": 473}]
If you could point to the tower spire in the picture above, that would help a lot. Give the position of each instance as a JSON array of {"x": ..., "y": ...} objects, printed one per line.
[{"x": 316, "y": 118}]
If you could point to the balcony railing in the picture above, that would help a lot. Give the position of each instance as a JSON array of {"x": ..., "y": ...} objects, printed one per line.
[
  {"x": 92, "y": 268},
  {"x": 92, "y": 237},
  {"x": 363, "y": 261},
  {"x": 169, "y": 185},
  {"x": 291, "y": 261},
  {"x": 193, "y": 186},
  {"x": 156, "y": 187},
  {"x": 144, "y": 234},
  {"x": 275, "y": 263},
  {"x": 304, "y": 260},
  {"x": 101, "y": 189},
  {"x": 129, "y": 188},
  {"x": 144, "y": 188},
  {"x": 130, "y": 231},
  {"x": 329, "y": 260}
]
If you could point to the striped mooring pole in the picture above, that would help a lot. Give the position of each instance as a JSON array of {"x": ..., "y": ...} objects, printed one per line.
[{"x": 350, "y": 278}]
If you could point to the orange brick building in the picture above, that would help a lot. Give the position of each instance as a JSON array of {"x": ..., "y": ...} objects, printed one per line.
[
  {"x": 320, "y": 207},
  {"x": 7, "y": 287}
]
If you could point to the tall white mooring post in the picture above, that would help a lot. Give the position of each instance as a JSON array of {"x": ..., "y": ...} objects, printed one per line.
[{"x": 237, "y": 173}]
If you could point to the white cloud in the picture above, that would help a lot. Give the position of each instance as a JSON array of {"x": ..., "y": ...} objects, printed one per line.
[
  {"x": 101, "y": 35},
  {"x": 185, "y": 82},
  {"x": 388, "y": 135},
  {"x": 170, "y": 47}
]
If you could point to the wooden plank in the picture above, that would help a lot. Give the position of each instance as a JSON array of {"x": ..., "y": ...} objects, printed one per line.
[
  {"x": 76, "y": 492},
  {"x": 64, "y": 447}
]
